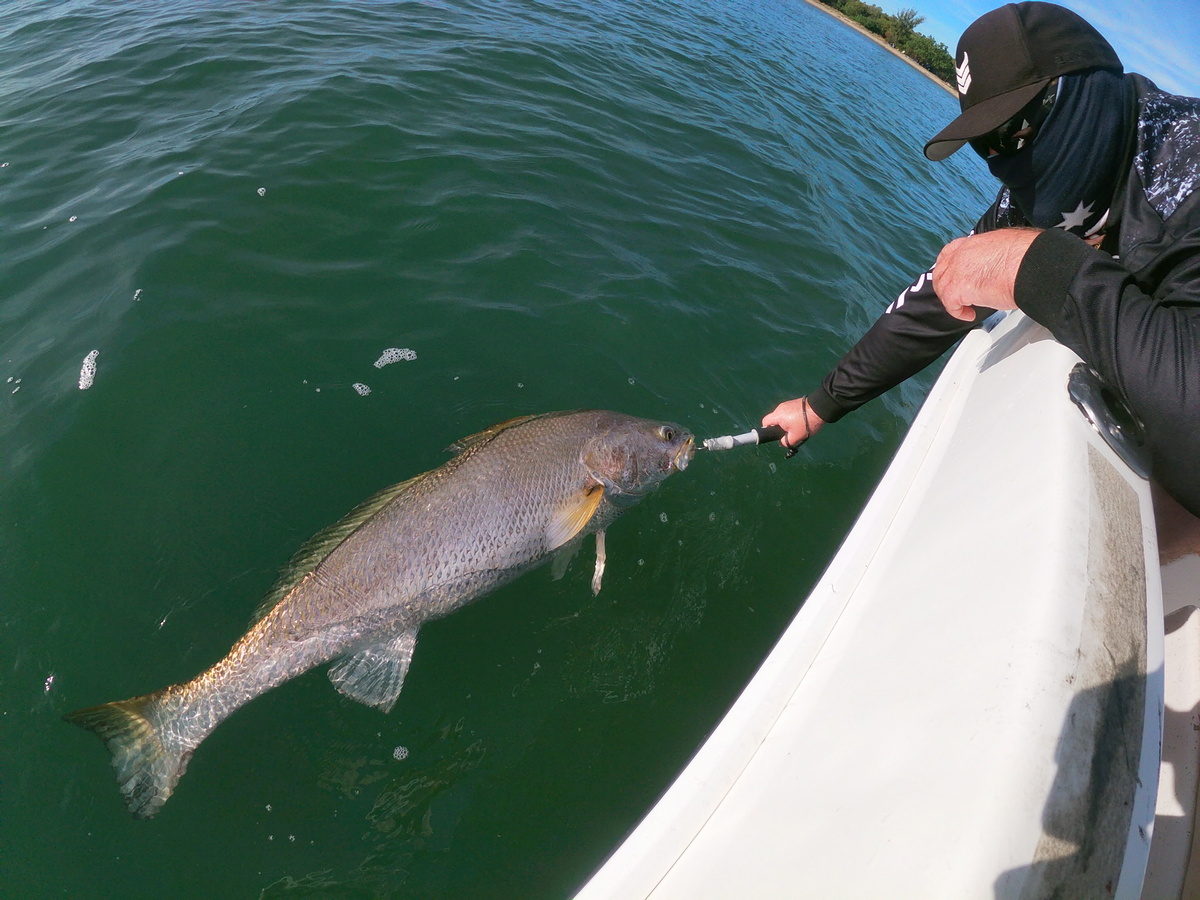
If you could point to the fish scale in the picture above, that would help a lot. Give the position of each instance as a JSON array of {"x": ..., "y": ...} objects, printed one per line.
[{"x": 359, "y": 591}]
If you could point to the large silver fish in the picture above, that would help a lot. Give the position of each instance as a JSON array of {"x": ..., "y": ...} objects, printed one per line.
[{"x": 359, "y": 591}]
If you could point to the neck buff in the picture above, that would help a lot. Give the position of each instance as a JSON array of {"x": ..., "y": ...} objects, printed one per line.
[{"x": 1066, "y": 177}]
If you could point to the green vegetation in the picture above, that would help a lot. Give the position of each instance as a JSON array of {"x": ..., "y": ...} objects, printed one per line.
[{"x": 899, "y": 31}]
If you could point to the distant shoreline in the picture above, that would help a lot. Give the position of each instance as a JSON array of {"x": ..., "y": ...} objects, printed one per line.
[{"x": 884, "y": 44}]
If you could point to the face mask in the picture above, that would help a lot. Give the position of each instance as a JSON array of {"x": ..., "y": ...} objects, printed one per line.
[{"x": 1065, "y": 177}]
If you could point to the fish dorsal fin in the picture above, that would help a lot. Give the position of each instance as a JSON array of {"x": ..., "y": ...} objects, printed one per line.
[
  {"x": 375, "y": 674},
  {"x": 325, "y": 541},
  {"x": 573, "y": 515},
  {"x": 482, "y": 437}
]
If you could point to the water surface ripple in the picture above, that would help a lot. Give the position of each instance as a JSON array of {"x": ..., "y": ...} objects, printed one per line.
[{"x": 221, "y": 216}]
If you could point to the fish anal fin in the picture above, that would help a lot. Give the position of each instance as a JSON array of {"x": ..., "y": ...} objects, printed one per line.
[
  {"x": 375, "y": 674},
  {"x": 573, "y": 515}
]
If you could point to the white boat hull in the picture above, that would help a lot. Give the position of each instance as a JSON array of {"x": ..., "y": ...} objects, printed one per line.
[{"x": 970, "y": 702}]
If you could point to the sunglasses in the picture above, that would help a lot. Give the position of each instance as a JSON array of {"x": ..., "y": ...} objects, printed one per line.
[{"x": 1018, "y": 132}]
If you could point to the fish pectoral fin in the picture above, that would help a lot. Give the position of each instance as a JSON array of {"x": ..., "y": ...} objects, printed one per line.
[
  {"x": 375, "y": 674},
  {"x": 574, "y": 514}
]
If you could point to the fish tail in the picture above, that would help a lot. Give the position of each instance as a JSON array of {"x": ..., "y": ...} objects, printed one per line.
[{"x": 148, "y": 763}]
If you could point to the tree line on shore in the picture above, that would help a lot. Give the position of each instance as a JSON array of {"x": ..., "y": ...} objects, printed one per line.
[{"x": 901, "y": 34}]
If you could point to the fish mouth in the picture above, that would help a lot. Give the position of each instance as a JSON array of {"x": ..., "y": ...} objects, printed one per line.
[{"x": 685, "y": 454}]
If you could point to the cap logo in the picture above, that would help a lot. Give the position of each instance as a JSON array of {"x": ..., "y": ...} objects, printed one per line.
[
  {"x": 1069, "y": 58},
  {"x": 963, "y": 72}
]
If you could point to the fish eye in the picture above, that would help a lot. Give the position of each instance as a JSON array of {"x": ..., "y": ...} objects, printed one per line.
[{"x": 666, "y": 433}]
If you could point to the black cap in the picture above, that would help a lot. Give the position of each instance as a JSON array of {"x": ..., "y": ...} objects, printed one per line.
[{"x": 1009, "y": 54}]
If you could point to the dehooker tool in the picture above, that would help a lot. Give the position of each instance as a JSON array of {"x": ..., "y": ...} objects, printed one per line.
[{"x": 763, "y": 435}]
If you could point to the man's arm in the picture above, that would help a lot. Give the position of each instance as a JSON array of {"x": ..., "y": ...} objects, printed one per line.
[
  {"x": 913, "y": 331},
  {"x": 1147, "y": 347}
]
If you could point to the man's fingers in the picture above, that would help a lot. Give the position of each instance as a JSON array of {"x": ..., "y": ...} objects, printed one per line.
[{"x": 964, "y": 313}]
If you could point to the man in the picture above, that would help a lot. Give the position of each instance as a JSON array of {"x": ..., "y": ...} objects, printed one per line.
[{"x": 1095, "y": 234}]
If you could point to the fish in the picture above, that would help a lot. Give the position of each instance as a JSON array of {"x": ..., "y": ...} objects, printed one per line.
[{"x": 511, "y": 498}]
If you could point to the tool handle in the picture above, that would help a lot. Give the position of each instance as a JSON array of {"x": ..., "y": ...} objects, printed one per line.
[{"x": 769, "y": 433}]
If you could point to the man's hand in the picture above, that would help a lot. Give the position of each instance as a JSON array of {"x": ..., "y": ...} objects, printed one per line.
[
  {"x": 981, "y": 270},
  {"x": 797, "y": 418}
]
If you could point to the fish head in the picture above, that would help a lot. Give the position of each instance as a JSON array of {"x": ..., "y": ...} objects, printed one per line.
[{"x": 631, "y": 457}]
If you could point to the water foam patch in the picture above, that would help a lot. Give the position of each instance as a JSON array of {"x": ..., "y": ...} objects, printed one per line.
[
  {"x": 87, "y": 374},
  {"x": 362, "y": 389},
  {"x": 394, "y": 355}
]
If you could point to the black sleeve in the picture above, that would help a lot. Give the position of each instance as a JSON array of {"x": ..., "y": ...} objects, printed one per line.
[
  {"x": 1146, "y": 345},
  {"x": 912, "y": 332}
]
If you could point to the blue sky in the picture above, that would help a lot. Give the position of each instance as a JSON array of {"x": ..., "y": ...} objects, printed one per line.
[{"x": 1156, "y": 38}]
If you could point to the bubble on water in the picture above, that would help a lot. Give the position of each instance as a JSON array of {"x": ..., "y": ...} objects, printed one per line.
[
  {"x": 137, "y": 295},
  {"x": 662, "y": 517},
  {"x": 631, "y": 381},
  {"x": 362, "y": 389},
  {"x": 268, "y": 807},
  {"x": 393, "y": 355},
  {"x": 712, "y": 517},
  {"x": 772, "y": 467},
  {"x": 262, "y": 192},
  {"x": 641, "y": 562},
  {"x": 400, "y": 753},
  {"x": 3, "y": 165},
  {"x": 87, "y": 374},
  {"x": 520, "y": 385},
  {"x": 292, "y": 838},
  {"x": 49, "y": 683},
  {"x": 73, "y": 219}
]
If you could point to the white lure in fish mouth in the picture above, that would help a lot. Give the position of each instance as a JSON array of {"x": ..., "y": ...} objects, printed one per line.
[{"x": 685, "y": 454}]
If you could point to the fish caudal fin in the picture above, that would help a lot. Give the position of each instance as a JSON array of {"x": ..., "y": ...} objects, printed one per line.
[{"x": 147, "y": 767}]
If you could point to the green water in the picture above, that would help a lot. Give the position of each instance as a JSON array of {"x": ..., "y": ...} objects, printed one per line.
[{"x": 681, "y": 211}]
